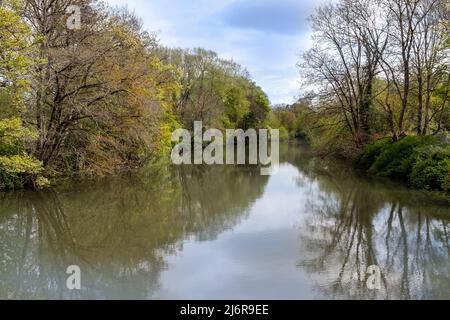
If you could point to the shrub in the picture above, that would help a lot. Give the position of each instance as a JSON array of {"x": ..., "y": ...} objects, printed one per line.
[
  {"x": 284, "y": 133},
  {"x": 371, "y": 152},
  {"x": 432, "y": 169},
  {"x": 424, "y": 162},
  {"x": 396, "y": 160},
  {"x": 17, "y": 167}
]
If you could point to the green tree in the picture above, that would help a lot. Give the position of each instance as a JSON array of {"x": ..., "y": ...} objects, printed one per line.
[{"x": 17, "y": 166}]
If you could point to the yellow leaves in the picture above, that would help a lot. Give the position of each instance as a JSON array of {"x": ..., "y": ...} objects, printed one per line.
[
  {"x": 169, "y": 125},
  {"x": 15, "y": 57},
  {"x": 16, "y": 165},
  {"x": 12, "y": 132},
  {"x": 18, "y": 169},
  {"x": 13, "y": 31},
  {"x": 20, "y": 164},
  {"x": 42, "y": 182}
]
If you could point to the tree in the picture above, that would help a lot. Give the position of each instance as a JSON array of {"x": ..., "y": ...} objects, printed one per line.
[
  {"x": 350, "y": 41},
  {"x": 379, "y": 66},
  {"x": 17, "y": 166},
  {"x": 219, "y": 92},
  {"x": 101, "y": 91},
  {"x": 105, "y": 95},
  {"x": 429, "y": 53}
]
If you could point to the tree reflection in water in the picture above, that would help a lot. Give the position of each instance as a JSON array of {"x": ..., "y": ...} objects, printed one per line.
[
  {"x": 118, "y": 230},
  {"x": 122, "y": 231},
  {"x": 354, "y": 223}
]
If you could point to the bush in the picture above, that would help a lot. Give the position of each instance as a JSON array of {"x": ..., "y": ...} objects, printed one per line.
[
  {"x": 432, "y": 169},
  {"x": 423, "y": 162},
  {"x": 371, "y": 152},
  {"x": 284, "y": 133},
  {"x": 17, "y": 167},
  {"x": 396, "y": 160}
]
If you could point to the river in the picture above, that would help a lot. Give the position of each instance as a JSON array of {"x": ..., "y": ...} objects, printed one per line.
[{"x": 312, "y": 231}]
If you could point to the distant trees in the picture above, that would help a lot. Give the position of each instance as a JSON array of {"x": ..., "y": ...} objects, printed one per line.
[
  {"x": 218, "y": 91},
  {"x": 292, "y": 119},
  {"x": 379, "y": 67}
]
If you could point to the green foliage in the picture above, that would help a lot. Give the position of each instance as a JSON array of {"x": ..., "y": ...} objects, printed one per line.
[
  {"x": 216, "y": 91},
  {"x": 422, "y": 161},
  {"x": 105, "y": 97},
  {"x": 236, "y": 106},
  {"x": 259, "y": 109},
  {"x": 371, "y": 152},
  {"x": 15, "y": 57},
  {"x": 432, "y": 169},
  {"x": 17, "y": 167},
  {"x": 294, "y": 119},
  {"x": 396, "y": 160}
]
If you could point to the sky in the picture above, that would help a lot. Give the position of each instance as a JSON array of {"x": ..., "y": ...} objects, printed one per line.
[{"x": 265, "y": 36}]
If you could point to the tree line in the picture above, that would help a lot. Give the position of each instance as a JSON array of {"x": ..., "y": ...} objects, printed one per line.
[{"x": 106, "y": 96}]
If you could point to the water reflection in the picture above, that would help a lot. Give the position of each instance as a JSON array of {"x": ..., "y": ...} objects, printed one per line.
[
  {"x": 354, "y": 224},
  {"x": 226, "y": 232},
  {"x": 118, "y": 231}
]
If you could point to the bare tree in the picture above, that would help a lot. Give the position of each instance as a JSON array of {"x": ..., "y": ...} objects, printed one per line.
[
  {"x": 350, "y": 42},
  {"x": 429, "y": 53}
]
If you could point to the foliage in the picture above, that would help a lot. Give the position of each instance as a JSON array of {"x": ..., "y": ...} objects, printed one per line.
[
  {"x": 219, "y": 92},
  {"x": 378, "y": 84},
  {"x": 371, "y": 152},
  {"x": 432, "y": 169},
  {"x": 379, "y": 68},
  {"x": 397, "y": 159},
  {"x": 15, "y": 58},
  {"x": 17, "y": 167},
  {"x": 293, "y": 119},
  {"x": 423, "y": 162}
]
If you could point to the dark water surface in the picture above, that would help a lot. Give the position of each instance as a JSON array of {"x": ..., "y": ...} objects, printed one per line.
[{"x": 311, "y": 231}]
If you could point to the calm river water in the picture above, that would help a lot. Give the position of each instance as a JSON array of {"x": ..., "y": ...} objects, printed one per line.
[{"x": 309, "y": 232}]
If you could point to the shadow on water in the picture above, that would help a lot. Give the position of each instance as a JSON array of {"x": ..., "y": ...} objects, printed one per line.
[{"x": 121, "y": 230}]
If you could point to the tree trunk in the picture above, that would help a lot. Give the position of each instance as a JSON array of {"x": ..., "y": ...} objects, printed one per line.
[{"x": 420, "y": 104}]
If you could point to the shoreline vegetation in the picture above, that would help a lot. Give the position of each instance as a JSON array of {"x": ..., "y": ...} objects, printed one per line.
[
  {"x": 378, "y": 80},
  {"x": 106, "y": 98}
]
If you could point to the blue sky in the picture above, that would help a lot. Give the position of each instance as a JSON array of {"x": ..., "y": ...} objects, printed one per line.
[{"x": 265, "y": 36}]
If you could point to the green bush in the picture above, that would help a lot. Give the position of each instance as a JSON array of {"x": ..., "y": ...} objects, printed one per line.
[
  {"x": 371, "y": 152},
  {"x": 432, "y": 169},
  {"x": 423, "y": 162},
  {"x": 396, "y": 160},
  {"x": 17, "y": 167}
]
